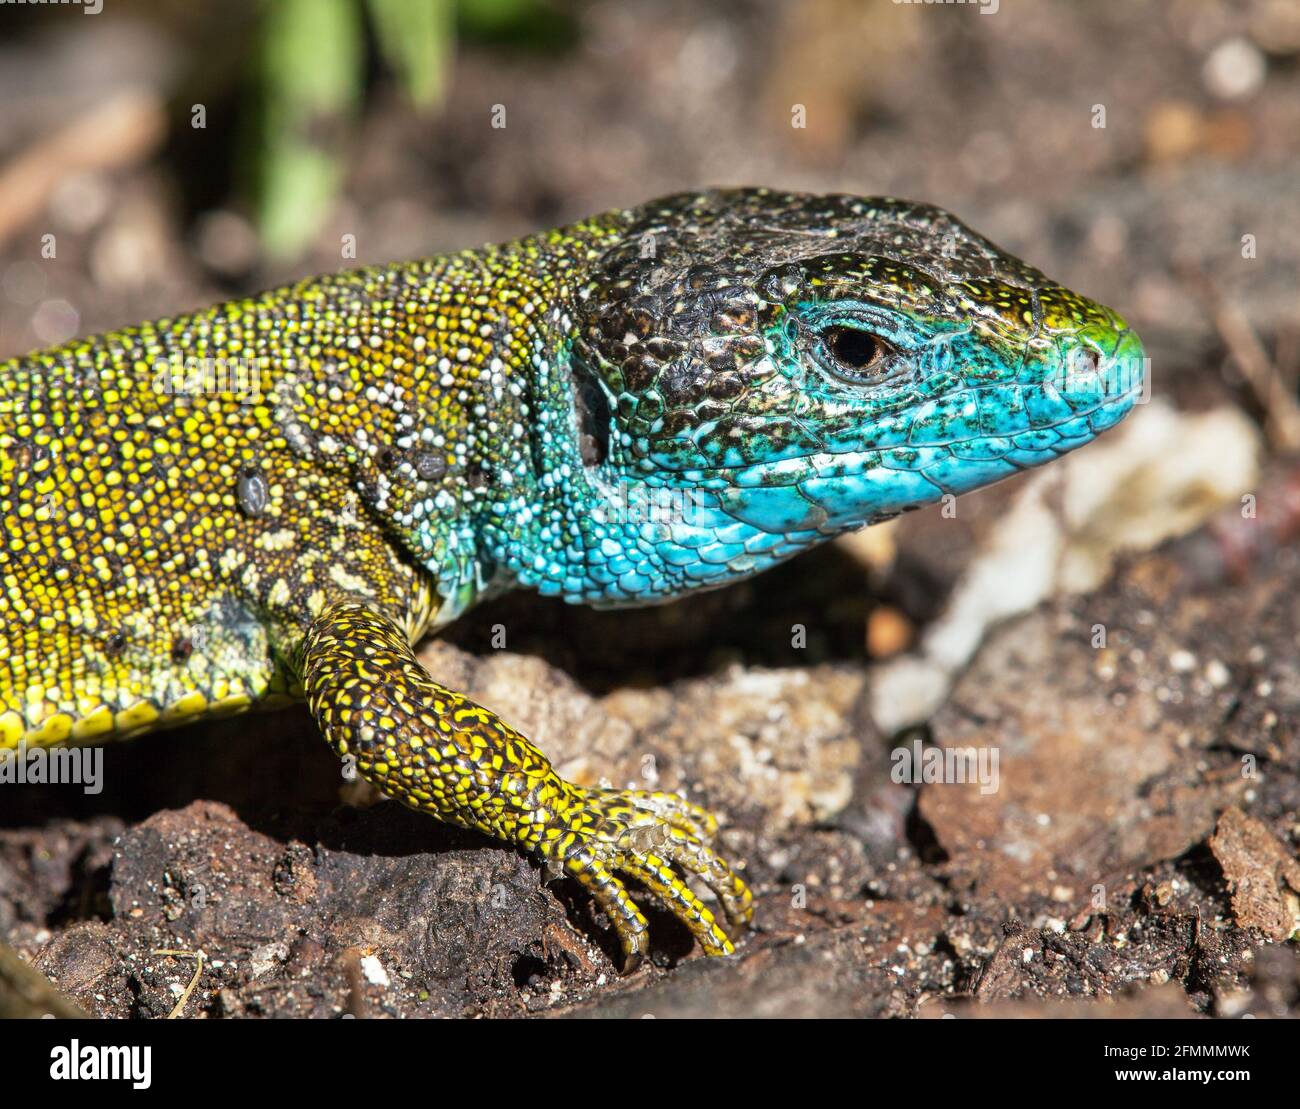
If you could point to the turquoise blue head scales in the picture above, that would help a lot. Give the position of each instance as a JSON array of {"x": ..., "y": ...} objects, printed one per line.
[{"x": 766, "y": 370}]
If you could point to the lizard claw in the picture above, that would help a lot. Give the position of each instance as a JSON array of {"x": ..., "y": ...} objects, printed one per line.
[{"x": 646, "y": 836}]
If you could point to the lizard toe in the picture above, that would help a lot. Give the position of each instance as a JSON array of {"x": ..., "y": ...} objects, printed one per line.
[{"x": 653, "y": 838}]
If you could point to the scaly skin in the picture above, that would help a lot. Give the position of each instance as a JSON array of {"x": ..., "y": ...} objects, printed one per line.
[{"x": 276, "y": 497}]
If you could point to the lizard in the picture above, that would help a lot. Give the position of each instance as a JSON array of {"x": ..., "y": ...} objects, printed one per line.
[{"x": 273, "y": 499}]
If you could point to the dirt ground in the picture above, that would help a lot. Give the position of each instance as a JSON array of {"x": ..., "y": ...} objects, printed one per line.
[{"x": 1139, "y": 854}]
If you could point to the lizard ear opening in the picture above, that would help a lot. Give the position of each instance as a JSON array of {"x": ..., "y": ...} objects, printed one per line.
[{"x": 592, "y": 408}]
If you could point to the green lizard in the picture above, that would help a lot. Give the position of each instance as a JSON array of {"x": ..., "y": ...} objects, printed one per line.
[{"x": 274, "y": 498}]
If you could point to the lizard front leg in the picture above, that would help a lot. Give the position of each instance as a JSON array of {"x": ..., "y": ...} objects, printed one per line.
[{"x": 437, "y": 751}]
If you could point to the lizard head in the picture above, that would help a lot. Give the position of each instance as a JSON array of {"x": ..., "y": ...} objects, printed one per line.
[{"x": 756, "y": 371}]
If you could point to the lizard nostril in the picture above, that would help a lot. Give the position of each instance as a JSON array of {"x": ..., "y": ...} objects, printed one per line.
[{"x": 1082, "y": 372}]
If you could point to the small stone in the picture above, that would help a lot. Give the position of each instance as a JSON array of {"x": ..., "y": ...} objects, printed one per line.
[
  {"x": 1235, "y": 69},
  {"x": 373, "y": 971},
  {"x": 1217, "y": 674}
]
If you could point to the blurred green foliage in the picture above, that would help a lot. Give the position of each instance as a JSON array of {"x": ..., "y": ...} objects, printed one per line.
[
  {"x": 311, "y": 78},
  {"x": 310, "y": 85},
  {"x": 415, "y": 38}
]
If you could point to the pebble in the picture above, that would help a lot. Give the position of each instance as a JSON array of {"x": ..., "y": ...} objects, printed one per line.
[
  {"x": 1234, "y": 69},
  {"x": 374, "y": 971}
]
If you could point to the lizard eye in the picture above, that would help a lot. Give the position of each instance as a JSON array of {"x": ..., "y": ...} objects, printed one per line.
[{"x": 855, "y": 356}]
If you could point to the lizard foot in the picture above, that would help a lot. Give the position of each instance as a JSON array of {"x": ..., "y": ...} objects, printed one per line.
[
  {"x": 646, "y": 836},
  {"x": 435, "y": 750}
]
